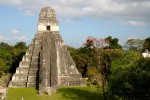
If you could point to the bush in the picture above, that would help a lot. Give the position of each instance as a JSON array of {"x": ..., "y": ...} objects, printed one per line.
[{"x": 130, "y": 76}]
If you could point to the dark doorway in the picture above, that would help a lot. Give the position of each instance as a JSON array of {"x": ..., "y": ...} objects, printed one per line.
[{"x": 48, "y": 28}]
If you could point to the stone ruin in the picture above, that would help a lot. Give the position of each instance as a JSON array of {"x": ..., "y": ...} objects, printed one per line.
[
  {"x": 47, "y": 64},
  {"x": 3, "y": 92}
]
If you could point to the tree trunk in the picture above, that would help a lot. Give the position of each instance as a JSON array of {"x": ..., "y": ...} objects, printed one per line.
[{"x": 103, "y": 88}]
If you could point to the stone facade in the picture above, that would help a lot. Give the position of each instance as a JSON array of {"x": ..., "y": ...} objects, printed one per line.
[{"x": 47, "y": 64}]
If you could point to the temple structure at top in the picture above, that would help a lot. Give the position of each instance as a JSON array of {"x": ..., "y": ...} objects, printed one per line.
[
  {"x": 47, "y": 64},
  {"x": 47, "y": 20}
]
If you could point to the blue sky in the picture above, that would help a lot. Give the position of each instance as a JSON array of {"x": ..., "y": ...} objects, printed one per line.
[{"x": 78, "y": 19}]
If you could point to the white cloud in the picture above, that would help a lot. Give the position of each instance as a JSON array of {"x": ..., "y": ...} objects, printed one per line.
[
  {"x": 21, "y": 38},
  {"x": 14, "y": 39},
  {"x": 135, "y": 23},
  {"x": 14, "y": 31},
  {"x": 78, "y": 9},
  {"x": 3, "y": 38}
]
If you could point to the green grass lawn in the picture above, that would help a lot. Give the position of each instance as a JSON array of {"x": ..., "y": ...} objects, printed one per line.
[{"x": 64, "y": 93}]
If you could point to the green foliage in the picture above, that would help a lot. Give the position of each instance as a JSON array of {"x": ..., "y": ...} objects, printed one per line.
[
  {"x": 88, "y": 61},
  {"x": 129, "y": 78},
  {"x": 17, "y": 53},
  {"x": 106, "y": 58},
  {"x": 10, "y": 56},
  {"x": 81, "y": 59},
  {"x": 134, "y": 44},
  {"x": 99, "y": 61},
  {"x": 112, "y": 43},
  {"x": 5, "y": 54},
  {"x": 2, "y": 65},
  {"x": 146, "y": 44},
  {"x": 94, "y": 75},
  {"x": 21, "y": 45},
  {"x": 5, "y": 46}
]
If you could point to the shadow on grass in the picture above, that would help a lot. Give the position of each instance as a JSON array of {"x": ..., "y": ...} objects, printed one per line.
[{"x": 80, "y": 94}]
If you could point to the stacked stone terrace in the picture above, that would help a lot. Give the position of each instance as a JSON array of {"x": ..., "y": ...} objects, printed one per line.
[
  {"x": 47, "y": 63},
  {"x": 26, "y": 73}
]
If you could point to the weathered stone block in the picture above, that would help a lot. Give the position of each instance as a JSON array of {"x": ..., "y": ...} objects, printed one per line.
[
  {"x": 22, "y": 70},
  {"x": 31, "y": 84},
  {"x": 26, "y": 63}
]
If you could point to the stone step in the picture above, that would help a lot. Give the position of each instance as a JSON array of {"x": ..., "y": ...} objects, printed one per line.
[
  {"x": 17, "y": 84},
  {"x": 31, "y": 84},
  {"x": 22, "y": 70},
  {"x": 33, "y": 73},
  {"x": 27, "y": 57},
  {"x": 31, "y": 78},
  {"x": 75, "y": 83},
  {"x": 24, "y": 63},
  {"x": 33, "y": 69},
  {"x": 30, "y": 50},
  {"x": 19, "y": 77},
  {"x": 36, "y": 47},
  {"x": 35, "y": 59},
  {"x": 34, "y": 65}
]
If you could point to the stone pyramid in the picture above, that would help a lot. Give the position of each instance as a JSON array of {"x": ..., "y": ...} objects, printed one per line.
[{"x": 47, "y": 64}]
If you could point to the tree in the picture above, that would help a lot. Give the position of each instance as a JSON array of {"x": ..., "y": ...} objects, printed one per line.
[
  {"x": 5, "y": 46},
  {"x": 80, "y": 57},
  {"x": 6, "y": 57},
  {"x": 10, "y": 56},
  {"x": 146, "y": 44},
  {"x": 129, "y": 78},
  {"x": 107, "y": 56},
  {"x": 21, "y": 45},
  {"x": 96, "y": 44},
  {"x": 2, "y": 67},
  {"x": 112, "y": 43},
  {"x": 134, "y": 44},
  {"x": 17, "y": 53}
]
